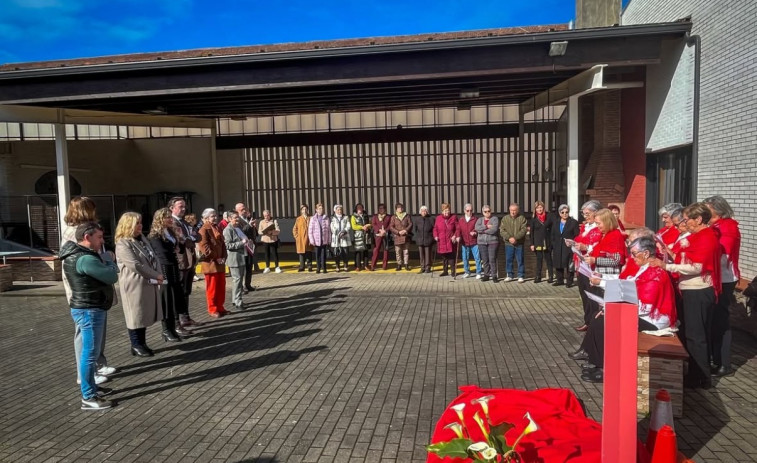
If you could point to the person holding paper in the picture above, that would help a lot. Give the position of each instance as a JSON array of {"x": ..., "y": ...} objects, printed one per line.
[
  {"x": 269, "y": 230},
  {"x": 562, "y": 231},
  {"x": 139, "y": 284},
  {"x": 236, "y": 242},
  {"x": 729, "y": 237},
  {"x": 699, "y": 284},
  {"x": 213, "y": 263},
  {"x": 668, "y": 233},
  {"x": 657, "y": 308},
  {"x": 588, "y": 236}
]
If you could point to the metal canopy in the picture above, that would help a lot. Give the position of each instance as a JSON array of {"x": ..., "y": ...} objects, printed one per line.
[{"x": 505, "y": 69}]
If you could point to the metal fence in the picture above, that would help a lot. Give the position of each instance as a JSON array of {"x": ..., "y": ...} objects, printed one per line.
[{"x": 479, "y": 171}]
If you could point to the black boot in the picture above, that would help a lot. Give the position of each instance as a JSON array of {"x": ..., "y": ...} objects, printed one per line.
[
  {"x": 138, "y": 347},
  {"x": 142, "y": 333},
  {"x": 169, "y": 335}
]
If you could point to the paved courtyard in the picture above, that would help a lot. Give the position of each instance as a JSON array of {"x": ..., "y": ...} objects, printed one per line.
[{"x": 318, "y": 368}]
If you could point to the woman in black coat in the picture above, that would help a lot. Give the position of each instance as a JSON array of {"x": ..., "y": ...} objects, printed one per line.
[
  {"x": 423, "y": 227},
  {"x": 164, "y": 241},
  {"x": 562, "y": 228},
  {"x": 541, "y": 244}
]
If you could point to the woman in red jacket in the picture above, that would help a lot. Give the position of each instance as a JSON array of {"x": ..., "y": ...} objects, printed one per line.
[
  {"x": 729, "y": 237},
  {"x": 380, "y": 224},
  {"x": 699, "y": 285},
  {"x": 447, "y": 237}
]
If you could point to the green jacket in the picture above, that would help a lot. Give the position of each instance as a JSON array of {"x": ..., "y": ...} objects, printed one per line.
[{"x": 510, "y": 227}]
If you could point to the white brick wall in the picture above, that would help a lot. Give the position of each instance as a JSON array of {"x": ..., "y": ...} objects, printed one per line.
[{"x": 728, "y": 102}]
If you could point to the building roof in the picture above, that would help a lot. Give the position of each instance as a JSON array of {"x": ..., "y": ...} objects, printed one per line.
[{"x": 281, "y": 47}]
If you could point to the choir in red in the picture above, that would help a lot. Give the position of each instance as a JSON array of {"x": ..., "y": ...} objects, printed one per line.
[{"x": 685, "y": 276}]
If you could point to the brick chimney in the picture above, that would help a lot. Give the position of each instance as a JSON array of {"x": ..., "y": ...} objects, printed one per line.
[{"x": 597, "y": 13}]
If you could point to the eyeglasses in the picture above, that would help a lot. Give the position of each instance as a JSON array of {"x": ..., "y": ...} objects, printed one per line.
[
  {"x": 468, "y": 210},
  {"x": 487, "y": 212},
  {"x": 565, "y": 211}
]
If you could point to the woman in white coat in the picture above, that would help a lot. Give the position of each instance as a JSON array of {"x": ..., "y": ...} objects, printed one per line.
[
  {"x": 340, "y": 237},
  {"x": 139, "y": 281}
]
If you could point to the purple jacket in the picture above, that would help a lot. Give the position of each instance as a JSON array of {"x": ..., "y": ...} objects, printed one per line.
[{"x": 319, "y": 232}]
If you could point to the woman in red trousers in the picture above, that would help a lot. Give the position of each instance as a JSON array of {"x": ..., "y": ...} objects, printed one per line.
[{"x": 213, "y": 263}]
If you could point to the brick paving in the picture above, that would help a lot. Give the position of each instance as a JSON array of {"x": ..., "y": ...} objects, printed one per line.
[{"x": 318, "y": 368}]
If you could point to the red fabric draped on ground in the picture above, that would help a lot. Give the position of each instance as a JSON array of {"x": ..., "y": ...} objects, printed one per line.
[{"x": 566, "y": 435}]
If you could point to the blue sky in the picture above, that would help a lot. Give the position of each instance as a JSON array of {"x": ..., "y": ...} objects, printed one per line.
[{"x": 35, "y": 30}]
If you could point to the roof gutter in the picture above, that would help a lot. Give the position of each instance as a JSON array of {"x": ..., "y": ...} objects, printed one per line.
[{"x": 681, "y": 27}]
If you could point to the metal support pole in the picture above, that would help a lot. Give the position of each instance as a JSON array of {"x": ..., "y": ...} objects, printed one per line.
[
  {"x": 520, "y": 162},
  {"x": 214, "y": 164},
  {"x": 61, "y": 162},
  {"x": 573, "y": 157}
]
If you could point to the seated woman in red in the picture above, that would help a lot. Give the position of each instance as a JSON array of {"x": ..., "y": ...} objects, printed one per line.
[{"x": 657, "y": 309}]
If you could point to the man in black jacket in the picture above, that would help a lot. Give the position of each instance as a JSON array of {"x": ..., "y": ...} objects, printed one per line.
[{"x": 91, "y": 279}]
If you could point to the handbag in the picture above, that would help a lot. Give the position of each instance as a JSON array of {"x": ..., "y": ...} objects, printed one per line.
[{"x": 751, "y": 289}]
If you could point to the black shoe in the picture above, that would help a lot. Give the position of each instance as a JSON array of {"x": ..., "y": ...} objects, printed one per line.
[
  {"x": 495, "y": 280},
  {"x": 428, "y": 270},
  {"x": 95, "y": 403},
  {"x": 318, "y": 271},
  {"x": 104, "y": 391},
  {"x": 550, "y": 280},
  {"x": 407, "y": 267},
  {"x": 399, "y": 267},
  {"x": 580, "y": 354},
  {"x": 423, "y": 270},
  {"x": 569, "y": 284},
  {"x": 593, "y": 376},
  {"x": 443, "y": 274},
  {"x": 141, "y": 351},
  {"x": 558, "y": 283},
  {"x": 300, "y": 269},
  {"x": 537, "y": 280},
  {"x": 484, "y": 278},
  {"x": 169, "y": 336},
  {"x": 720, "y": 372}
]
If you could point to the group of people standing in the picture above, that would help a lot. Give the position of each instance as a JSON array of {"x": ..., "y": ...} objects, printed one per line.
[{"x": 685, "y": 275}]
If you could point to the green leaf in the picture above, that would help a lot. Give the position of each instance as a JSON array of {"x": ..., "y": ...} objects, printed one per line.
[
  {"x": 456, "y": 448},
  {"x": 497, "y": 437}
]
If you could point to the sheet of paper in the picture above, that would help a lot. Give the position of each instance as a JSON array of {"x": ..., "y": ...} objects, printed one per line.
[
  {"x": 621, "y": 291},
  {"x": 585, "y": 269},
  {"x": 598, "y": 299}
]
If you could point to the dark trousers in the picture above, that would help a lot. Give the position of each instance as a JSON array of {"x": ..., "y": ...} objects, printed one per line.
[
  {"x": 448, "y": 261},
  {"x": 306, "y": 258},
  {"x": 361, "y": 259},
  {"x": 425, "y": 257},
  {"x": 340, "y": 255},
  {"x": 594, "y": 341},
  {"x": 174, "y": 302},
  {"x": 271, "y": 248},
  {"x": 590, "y": 307},
  {"x": 248, "y": 261},
  {"x": 722, "y": 336},
  {"x": 488, "y": 253},
  {"x": 560, "y": 275},
  {"x": 320, "y": 256},
  {"x": 381, "y": 246},
  {"x": 695, "y": 328},
  {"x": 540, "y": 257}
]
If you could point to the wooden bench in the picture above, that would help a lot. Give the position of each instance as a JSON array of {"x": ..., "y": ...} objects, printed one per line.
[{"x": 660, "y": 366}]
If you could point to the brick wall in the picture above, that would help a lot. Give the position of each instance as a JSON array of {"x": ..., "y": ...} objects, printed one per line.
[
  {"x": 728, "y": 102},
  {"x": 632, "y": 152},
  {"x": 604, "y": 166}
]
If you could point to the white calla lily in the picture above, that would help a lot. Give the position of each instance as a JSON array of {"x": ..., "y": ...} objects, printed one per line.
[
  {"x": 532, "y": 426},
  {"x": 480, "y": 422},
  {"x": 459, "y": 410},
  {"x": 489, "y": 454},
  {"x": 479, "y": 447},
  {"x": 457, "y": 428},
  {"x": 484, "y": 402}
]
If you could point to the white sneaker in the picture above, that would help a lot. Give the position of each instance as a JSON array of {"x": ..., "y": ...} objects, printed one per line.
[
  {"x": 478, "y": 276},
  {"x": 521, "y": 280},
  {"x": 278, "y": 269},
  {"x": 105, "y": 370},
  {"x": 508, "y": 279},
  {"x": 467, "y": 275},
  {"x": 267, "y": 270},
  {"x": 99, "y": 379},
  {"x": 95, "y": 403}
]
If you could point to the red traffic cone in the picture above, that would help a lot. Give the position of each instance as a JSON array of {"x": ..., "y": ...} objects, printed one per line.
[
  {"x": 662, "y": 414},
  {"x": 665, "y": 448}
]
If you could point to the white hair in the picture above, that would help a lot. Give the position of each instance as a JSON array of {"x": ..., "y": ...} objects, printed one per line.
[
  {"x": 338, "y": 206},
  {"x": 423, "y": 207},
  {"x": 208, "y": 212}
]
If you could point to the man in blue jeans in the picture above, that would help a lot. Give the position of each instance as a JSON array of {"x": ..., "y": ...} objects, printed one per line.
[
  {"x": 512, "y": 229},
  {"x": 91, "y": 280}
]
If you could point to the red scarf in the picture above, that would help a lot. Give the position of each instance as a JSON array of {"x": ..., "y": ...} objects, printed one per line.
[
  {"x": 654, "y": 289},
  {"x": 704, "y": 249},
  {"x": 611, "y": 243},
  {"x": 729, "y": 237},
  {"x": 542, "y": 217},
  {"x": 669, "y": 234},
  {"x": 588, "y": 238}
]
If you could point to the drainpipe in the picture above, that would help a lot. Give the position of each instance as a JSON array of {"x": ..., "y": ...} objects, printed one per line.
[{"x": 696, "y": 41}]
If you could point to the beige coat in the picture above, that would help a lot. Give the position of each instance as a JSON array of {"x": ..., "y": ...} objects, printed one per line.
[
  {"x": 300, "y": 232},
  {"x": 141, "y": 300}
]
